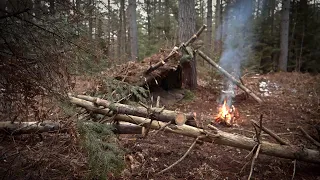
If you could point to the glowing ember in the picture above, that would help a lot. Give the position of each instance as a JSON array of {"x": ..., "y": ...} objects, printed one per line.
[{"x": 227, "y": 114}]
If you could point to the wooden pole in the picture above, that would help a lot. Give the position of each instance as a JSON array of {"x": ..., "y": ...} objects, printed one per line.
[
  {"x": 216, "y": 136},
  {"x": 229, "y": 76}
]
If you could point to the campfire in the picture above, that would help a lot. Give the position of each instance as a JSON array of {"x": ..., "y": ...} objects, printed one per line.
[{"x": 227, "y": 114}]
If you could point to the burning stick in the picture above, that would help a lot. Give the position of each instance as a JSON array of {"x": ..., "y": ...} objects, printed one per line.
[
  {"x": 227, "y": 114},
  {"x": 229, "y": 76}
]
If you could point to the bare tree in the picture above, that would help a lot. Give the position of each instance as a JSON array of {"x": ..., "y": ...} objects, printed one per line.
[
  {"x": 218, "y": 27},
  {"x": 133, "y": 30},
  {"x": 187, "y": 26},
  {"x": 209, "y": 27},
  {"x": 284, "y": 39}
]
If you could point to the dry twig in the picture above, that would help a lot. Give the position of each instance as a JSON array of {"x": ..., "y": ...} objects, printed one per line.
[
  {"x": 255, "y": 156},
  {"x": 190, "y": 148},
  {"x": 271, "y": 133},
  {"x": 294, "y": 169}
]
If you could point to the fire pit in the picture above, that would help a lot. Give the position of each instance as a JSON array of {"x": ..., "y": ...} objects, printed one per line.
[{"x": 227, "y": 115}]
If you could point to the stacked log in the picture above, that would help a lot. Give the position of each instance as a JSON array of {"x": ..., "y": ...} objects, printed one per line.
[{"x": 215, "y": 136}]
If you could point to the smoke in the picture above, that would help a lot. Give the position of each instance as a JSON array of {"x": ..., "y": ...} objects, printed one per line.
[{"x": 236, "y": 30}]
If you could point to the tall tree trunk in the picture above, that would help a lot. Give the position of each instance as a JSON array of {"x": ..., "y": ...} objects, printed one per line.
[
  {"x": 51, "y": 7},
  {"x": 218, "y": 28},
  {"x": 90, "y": 19},
  {"x": 148, "y": 10},
  {"x": 284, "y": 36},
  {"x": 209, "y": 27},
  {"x": 167, "y": 20},
  {"x": 121, "y": 33},
  {"x": 133, "y": 30},
  {"x": 273, "y": 6},
  {"x": 187, "y": 27},
  {"x": 108, "y": 29},
  {"x": 258, "y": 8}
]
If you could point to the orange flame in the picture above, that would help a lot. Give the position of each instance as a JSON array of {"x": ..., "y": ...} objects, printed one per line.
[{"x": 226, "y": 114}]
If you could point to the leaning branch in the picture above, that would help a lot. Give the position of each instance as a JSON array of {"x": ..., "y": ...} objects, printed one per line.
[
  {"x": 229, "y": 76},
  {"x": 271, "y": 133},
  {"x": 175, "y": 49},
  {"x": 309, "y": 137}
]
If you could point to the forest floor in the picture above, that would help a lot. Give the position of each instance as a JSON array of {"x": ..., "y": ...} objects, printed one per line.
[{"x": 291, "y": 100}]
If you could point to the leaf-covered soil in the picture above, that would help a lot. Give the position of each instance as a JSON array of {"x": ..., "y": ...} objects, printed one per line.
[{"x": 291, "y": 100}]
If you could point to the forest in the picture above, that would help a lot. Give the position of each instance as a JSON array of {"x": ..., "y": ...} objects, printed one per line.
[{"x": 160, "y": 89}]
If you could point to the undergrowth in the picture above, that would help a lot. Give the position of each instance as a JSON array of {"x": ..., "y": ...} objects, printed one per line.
[
  {"x": 117, "y": 91},
  {"x": 105, "y": 158}
]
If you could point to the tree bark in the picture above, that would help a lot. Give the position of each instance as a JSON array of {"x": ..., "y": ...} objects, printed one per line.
[
  {"x": 167, "y": 25},
  {"x": 217, "y": 136},
  {"x": 187, "y": 26},
  {"x": 218, "y": 28},
  {"x": 121, "y": 32},
  {"x": 133, "y": 30},
  {"x": 90, "y": 7},
  {"x": 52, "y": 7},
  {"x": 209, "y": 28},
  {"x": 284, "y": 36}
]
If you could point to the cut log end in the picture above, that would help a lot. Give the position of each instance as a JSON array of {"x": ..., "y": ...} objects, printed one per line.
[{"x": 180, "y": 119}]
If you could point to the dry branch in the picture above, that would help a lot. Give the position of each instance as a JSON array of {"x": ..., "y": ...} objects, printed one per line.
[
  {"x": 174, "y": 51},
  {"x": 185, "y": 155},
  {"x": 156, "y": 113},
  {"x": 216, "y": 136},
  {"x": 196, "y": 35},
  {"x": 309, "y": 137},
  {"x": 271, "y": 133},
  {"x": 229, "y": 76},
  {"x": 162, "y": 62}
]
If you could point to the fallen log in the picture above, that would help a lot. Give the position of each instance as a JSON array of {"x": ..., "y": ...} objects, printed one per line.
[
  {"x": 160, "y": 114},
  {"x": 229, "y": 76},
  {"x": 217, "y": 136},
  {"x": 174, "y": 51},
  {"x": 18, "y": 128}
]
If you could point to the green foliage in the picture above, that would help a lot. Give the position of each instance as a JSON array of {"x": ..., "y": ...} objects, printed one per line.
[
  {"x": 115, "y": 91},
  {"x": 189, "y": 95},
  {"x": 105, "y": 157}
]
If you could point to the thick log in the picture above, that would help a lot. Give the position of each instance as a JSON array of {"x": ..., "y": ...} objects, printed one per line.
[
  {"x": 229, "y": 76},
  {"x": 18, "y": 128},
  {"x": 156, "y": 113},
  {"x": 216, "y": 137}
]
